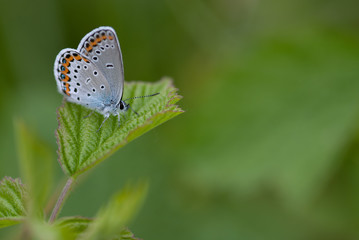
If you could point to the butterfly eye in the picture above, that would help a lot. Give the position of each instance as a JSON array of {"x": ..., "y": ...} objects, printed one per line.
[{"x": 121, "y": 106}]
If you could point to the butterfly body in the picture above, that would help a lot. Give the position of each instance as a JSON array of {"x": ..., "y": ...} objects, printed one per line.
[{"x": 92, "y": 75}]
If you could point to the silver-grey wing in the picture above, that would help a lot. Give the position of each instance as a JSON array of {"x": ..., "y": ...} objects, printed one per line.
[
  {"x": 101, "y": 46},
  {"x": 80, "y": 80}
]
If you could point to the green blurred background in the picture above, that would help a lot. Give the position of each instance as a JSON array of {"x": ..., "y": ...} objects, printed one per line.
[{"x": 269, "y": 145}]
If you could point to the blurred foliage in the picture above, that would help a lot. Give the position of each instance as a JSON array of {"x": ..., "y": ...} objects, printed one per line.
[
  {"x": 268, "y": 148},
  {"x": 111, "y": 220},
  {"x": 36, "y": 164}
]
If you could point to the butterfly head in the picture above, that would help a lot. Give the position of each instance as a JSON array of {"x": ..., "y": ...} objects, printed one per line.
[
  {"x": 122, "y": 106},
  {"x": 113, "y": 108}
]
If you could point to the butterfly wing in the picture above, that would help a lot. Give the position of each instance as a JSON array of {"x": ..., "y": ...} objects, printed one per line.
[
  {"x": 80, "y": 80},
  {"x": 101, "y": 46}
]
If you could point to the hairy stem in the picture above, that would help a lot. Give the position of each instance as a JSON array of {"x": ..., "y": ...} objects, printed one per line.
[{"x": 61, "y": 200}]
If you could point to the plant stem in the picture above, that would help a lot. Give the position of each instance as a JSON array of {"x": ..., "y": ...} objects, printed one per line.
[{"x": 61, "y": 200}]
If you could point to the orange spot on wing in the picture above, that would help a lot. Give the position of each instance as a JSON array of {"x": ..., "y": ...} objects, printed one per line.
[
  {"x": 97, "y": 40},
  {"x": 67, "y": 91},
  {"x": 94, "y": 44},
  {"x": 66, "y": 78},
  {"x": 70, "y": 58},
  {"x": 66, "y": 71},
  {"x": 78, "y": 57},
  {"x": 66, "y": 64},
  {"x": 89, "y": 48},
  {"x": 110, "y": 37}
]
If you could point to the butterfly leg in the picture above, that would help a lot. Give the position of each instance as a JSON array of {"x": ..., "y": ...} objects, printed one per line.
[
  {"x": 89, "y": 114},
  {"x": 106, "y": 117}
]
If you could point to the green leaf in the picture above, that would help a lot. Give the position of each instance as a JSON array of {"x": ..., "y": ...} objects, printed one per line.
[
  {"x": 13, "y": 195},
  {"x": 77, "y": 225},
  {"x": 73, "y": 225},
  {"x": 36, "y": 165},
  {"x": 126, "y": 235},
  {"x": 111, "y": 220},
  {"x": 81, "y": 146}
]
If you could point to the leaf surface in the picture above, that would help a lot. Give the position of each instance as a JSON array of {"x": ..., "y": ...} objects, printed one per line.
[
  {"x": 81, "y": 146},
  {"x": 13, "y": 195}
]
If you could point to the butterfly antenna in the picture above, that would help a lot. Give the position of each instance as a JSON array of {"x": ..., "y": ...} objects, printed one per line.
[{"x": 141, "y": 97}]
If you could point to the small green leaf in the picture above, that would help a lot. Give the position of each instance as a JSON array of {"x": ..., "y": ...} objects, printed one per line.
[
  {"x": 81, "y": 146},
  {"x": 73, "y": 225},
  {"x": 126, "y": 235},
  {"x": 13, "y": 195},
  {"x": 35, "y": 164},
  {"x": 111, "y": 220}
]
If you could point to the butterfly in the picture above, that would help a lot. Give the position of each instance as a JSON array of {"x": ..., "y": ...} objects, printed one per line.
[{"x": 92, "y": 75}]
